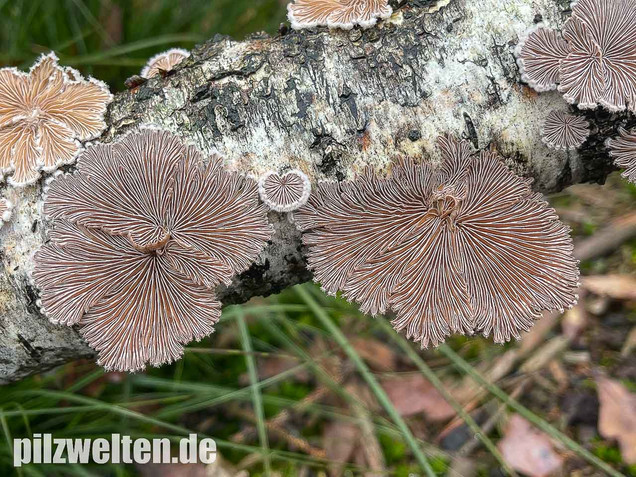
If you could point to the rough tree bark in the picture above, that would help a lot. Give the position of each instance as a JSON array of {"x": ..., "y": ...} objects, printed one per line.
[{"x": 327, "y": 102}]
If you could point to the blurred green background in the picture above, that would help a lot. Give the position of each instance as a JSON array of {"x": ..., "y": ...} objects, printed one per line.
[
  {"x": 288, "y": 383},
  {"x": 112, "y": 39}
]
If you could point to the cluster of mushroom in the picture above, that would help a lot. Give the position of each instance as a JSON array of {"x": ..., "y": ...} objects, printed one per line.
[
  {"x": 591, "y": 62},
  {"x": 142, "y": 234},
  {"x": 147, "y": 228}
]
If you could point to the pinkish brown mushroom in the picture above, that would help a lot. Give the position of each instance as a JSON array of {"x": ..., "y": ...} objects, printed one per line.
[
  {"x": 165, "y": 61},
  {"x": 344, "y": 14},
  {"x": 623, "y": 150},
  {"x": 563, "y": 131},
  {"x": 6, "y": 208},
  {"x": 466, "y": 247},
  {"x": 601, "y": 65},
  {"x": 284, "y": 193},
  {"x": 142, "y": 235},
  {"x": 43, "y": 116},
  {"x": 539, "y": 58}
]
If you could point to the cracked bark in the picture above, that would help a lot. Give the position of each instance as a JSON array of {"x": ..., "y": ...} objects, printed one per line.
[{"x": 328, "y": 103}]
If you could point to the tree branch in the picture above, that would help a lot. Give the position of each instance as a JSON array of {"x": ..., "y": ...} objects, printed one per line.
[{"x": 328, "y": 103}]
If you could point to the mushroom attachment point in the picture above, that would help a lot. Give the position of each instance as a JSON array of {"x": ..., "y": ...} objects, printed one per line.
[
  {"x": 44, "y": 114},
  {"x": 460, "y": 248},
  {"x": 539, "y": 57},
  {"x": 344, "y": 14},
  {"x": 142, "y": 234},
  {"x": 601, "y": 65},
  {"x": 6, "y": 209},
  {"x": 284, "y": 193},
  {"x": 563, "y": 131},
  {"x": 163, "y": 62},
  {"x": 623, "y": 150}
]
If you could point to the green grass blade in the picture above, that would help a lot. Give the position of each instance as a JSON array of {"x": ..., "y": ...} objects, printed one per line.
[
  {"x": 373, "y": 384},
  {"x": 256, "y": 392},
  {"x": 437, "y": 384},
  {"x": 527, "y": 413}
]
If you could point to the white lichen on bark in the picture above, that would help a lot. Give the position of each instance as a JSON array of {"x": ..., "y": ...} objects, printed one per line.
[{"x": 327, "y": 103}]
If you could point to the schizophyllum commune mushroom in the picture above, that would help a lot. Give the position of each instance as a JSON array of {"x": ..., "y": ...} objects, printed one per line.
[
  {"x": 564, "y": 131},
  {"x": 165, "y": 61},
  {"x": 142, "y": 234},
  {"x": 44, "y": 114},
  {"x": 461, "y": 248},
  {"x": 284, "y": 193},
  {"x": 623, "y": 150},
  {"x": 344, "y": 14},
  {"x": 593, "y": 63}
]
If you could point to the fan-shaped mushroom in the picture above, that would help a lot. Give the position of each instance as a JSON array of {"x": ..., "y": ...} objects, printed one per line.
[
  {"x": 623, "y": 150},
  {"x": 343, "y": 14},
  {"x": 284, "y": 193},
  {"x": 539, "y": 58},
  {"x": 142, "y": 235},
  {"x": 461, "y": 248},
  {"x": 564, "y": 131},
  {"x": 601, "y": 65},
  {"x": 43, "y": 115},
  {"x": 164, "y": 61}
]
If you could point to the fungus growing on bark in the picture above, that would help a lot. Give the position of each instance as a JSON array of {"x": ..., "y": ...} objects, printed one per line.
[
  {"x": 343, "y": 14},
  {"x": 601, "y": 65},
  {"x": 539, "y": 58},
  {"x": 466, "y": 247},
  {"x": 623, "y": 150},
  {"x": 143, "y": 233},
  {"x": 43, "y": 116},
  {"x": 6, "y": 207},
  {"x": 284, "y": 193},
  {"x": 564, "y": 131},
  {"x": 165, "y": 61}
]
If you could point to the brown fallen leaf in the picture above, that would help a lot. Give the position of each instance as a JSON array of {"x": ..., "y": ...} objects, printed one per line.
[
  {"x": 617, "y": 416},
  {"x": 619, "y": 287},
  {"x": 413, "y": 394},
  {"x": 379, "y": 356},
  {"x": 339, "y": 440},
  {"x": 527, "y": 450}
]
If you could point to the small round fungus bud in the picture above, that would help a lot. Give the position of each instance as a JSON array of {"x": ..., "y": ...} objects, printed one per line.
[
  {"x": 165, "y": 62},
  {"x": 601, "y": 65},
  {"x": 142, "y": 234},
  {"x": 465, "y": 247},
  {"x": 564, "y": 131},
  {"x": 344, "y": 14},
  {"x": 6, "y": 208},
  {"x": 284, "y": 193},
  {"x": 623, "y": 150},
  {"x": 43, "y": 116},
  {"x": 539, "y": 57}
]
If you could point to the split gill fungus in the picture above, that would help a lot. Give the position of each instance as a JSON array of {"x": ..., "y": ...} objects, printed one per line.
[
  {"x": 163, "y": 62},
  {"x": 593, "y": 62},
  {"x": 44, "y": 114},
  {"x": 343, "y": 14},
  {"x": 460, "y": 248},
  {"x": 142, "y": 234}
]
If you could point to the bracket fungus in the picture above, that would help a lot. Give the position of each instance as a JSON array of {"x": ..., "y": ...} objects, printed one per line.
[
  {"x": 6, "y": 208},
  {"x": 563, "y": 131},
  {"x": 461, "y": 248},
  {"x": 284, "y": 193},
  {"x": 344, "y": 14},
  {"x": 539, "y": 58},
  {"x": 43, "y": 116},
  {"x": 623, "y": 150},
  {"x": 142, "y": 234},
  {"x": 165, "y": 61},
  {"x": 595, "y": 61}
]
